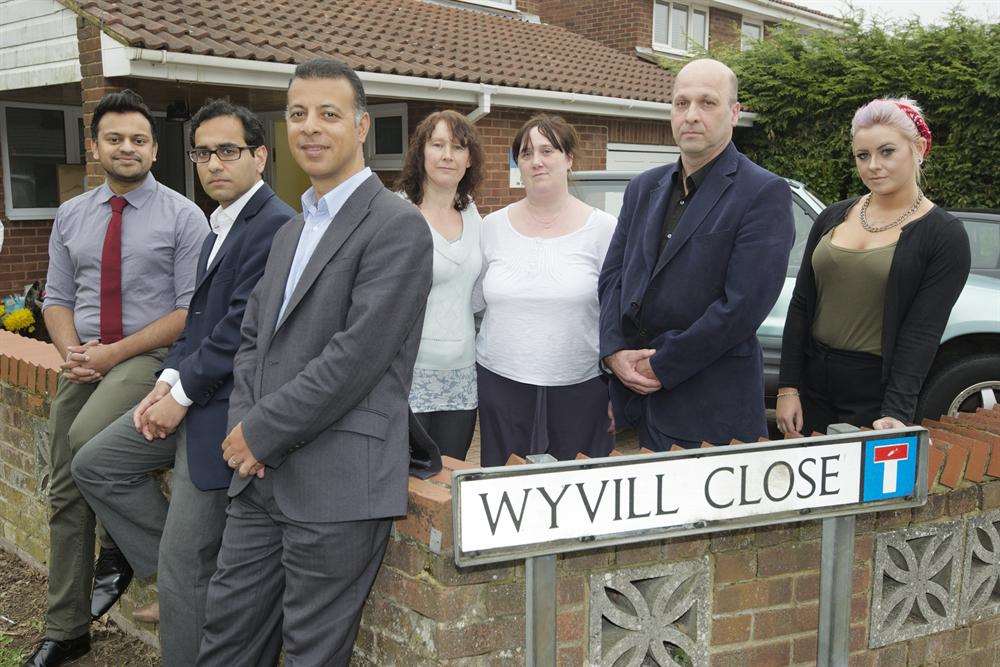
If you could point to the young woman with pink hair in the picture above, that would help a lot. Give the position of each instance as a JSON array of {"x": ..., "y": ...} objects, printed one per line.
[{"x": 878, "y": 280}]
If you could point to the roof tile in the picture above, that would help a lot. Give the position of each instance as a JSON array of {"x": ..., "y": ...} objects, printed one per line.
[{"x": 402, "y": 36}]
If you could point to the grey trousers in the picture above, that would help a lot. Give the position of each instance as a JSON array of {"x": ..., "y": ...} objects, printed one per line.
[
  {"x": 180, "y": 541},
  {"x": 78, "y": 413},
  {"x": 307, "y": 580}
]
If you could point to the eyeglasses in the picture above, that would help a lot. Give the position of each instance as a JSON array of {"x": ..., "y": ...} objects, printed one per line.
[{"x": 225, "y": 153}]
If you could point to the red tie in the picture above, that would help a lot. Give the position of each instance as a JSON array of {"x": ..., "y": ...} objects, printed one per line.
[{"x": 111, "y": 275}]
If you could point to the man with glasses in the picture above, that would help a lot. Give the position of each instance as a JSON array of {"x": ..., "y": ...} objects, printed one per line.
[{"x": 182, "y": 422}]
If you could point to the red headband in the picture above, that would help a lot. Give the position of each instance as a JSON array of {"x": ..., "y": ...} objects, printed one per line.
[{"x": 919, "y": 121}]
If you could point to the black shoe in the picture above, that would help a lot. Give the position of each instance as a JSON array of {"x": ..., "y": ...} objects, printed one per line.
[
  {"x": 112, "y": 575},
  {"x": 52, "y": 652}
]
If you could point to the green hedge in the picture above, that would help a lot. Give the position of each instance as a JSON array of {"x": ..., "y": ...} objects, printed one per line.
[{"x": 806, "y": 89}]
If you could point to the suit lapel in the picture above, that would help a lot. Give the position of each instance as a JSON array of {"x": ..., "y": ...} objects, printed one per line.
[
  {"x": 704, "y": 200},
  {"x": 206, "y": 250},
  {"x": 353, "y": 212},
  {"x": 252, "y": 208},
  {"x": 281, "y": 255}
]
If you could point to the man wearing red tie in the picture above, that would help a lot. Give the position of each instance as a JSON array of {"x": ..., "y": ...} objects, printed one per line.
[{"x": 121, "y": 272}]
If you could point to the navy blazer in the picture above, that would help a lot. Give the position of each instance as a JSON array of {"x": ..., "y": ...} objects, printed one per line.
[
  {"x": 699, "y": 304},
  {"x": 203, "y": 354}
]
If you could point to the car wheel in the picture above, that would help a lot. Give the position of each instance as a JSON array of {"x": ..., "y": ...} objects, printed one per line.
[{"x": 963, "y": 386}]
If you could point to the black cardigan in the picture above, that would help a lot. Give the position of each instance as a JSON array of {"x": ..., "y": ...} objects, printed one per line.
[{"x": 928, "y": 271}]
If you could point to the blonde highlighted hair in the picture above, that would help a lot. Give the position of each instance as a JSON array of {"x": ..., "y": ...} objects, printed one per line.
[{"x": 899, "y": 113}]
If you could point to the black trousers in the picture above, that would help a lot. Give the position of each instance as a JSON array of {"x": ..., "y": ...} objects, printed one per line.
[
  {"x": 522, "y": 419},
  {"x": 840, "y": 387},
  {"x": 451, "y": 429}
]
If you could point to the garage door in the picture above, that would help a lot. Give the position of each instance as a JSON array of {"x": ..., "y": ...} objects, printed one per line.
[{"x": 639, "y": 157}]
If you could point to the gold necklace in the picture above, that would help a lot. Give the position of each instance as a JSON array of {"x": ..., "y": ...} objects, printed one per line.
[{"x": 873, "y": 228}]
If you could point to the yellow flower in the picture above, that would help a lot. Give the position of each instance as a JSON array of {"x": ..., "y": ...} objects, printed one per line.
[{"x": 18, "y": 319}]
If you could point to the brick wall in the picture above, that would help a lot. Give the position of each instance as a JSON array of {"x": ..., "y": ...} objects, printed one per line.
[
  {"x": 93, "y": 86},
  {"x": 618, "y": 24},
  {"x": 724, "y": 27},
  {"x": 625, "y": 24},
  {"x": 25, "y": 254},
  {"x": 763, "y": 583},
  {"x": 28, "y": 371}
]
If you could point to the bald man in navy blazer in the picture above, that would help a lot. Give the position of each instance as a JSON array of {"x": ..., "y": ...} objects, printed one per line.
[{"x": 697, "y": 261}]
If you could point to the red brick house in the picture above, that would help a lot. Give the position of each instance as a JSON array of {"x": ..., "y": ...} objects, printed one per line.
[{"x": 499, "y": 61}]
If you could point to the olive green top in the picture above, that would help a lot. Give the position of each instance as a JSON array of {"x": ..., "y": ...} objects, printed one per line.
[{"x": 850, "y": 291}]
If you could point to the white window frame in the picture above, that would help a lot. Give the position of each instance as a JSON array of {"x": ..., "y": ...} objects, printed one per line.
[
  {"x": 691, "y": 9},
  {"x": 71, "y": 117},
  {"x": 391, "y": 161},
  {"x": 744, "y": 45},
  {"x": 510, "y": 6}
]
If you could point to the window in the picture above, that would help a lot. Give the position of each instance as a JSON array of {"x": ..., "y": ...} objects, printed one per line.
[
  {"x": 750, "y": 34},
  {"x": 44, "y": 157},
  {"x": 39, "y": 143},
  {"x": 984, "y": 239},
  {"x": 679, "y": 27},
  {"x": 387, "y": 138}
]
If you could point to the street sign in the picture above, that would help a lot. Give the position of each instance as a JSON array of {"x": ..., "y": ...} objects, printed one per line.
[{"x": 522, "y": 511}]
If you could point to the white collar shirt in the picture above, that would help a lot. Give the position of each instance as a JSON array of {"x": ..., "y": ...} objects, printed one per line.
[{"x": 221, "y": 221}]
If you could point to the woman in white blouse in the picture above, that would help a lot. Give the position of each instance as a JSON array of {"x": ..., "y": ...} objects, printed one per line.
[
  {"x": 442, "y": 168},
  {"x": 540, "y": 384}
]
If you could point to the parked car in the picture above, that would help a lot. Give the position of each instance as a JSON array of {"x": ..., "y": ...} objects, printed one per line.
[{"x": 965, "y": 374}]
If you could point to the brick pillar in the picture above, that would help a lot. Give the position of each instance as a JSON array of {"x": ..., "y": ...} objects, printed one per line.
[{"x": 93, "y": 86}]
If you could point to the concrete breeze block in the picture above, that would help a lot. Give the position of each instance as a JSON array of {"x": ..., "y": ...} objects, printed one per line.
[
  {"x": 662, "y": 612},
  {"x": 916, "y": 582},
  {"x": 981, "y": 570}
]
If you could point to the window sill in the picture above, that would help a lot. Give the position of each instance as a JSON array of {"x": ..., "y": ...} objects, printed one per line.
[
  {"x": 31, "y": 214},
  {"x": 668, "y": 50}
]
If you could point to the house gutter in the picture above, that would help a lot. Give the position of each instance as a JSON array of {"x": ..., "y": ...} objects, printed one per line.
[
  {"x": 483, "y": 108},
  {"x": 121, "y": 60}
]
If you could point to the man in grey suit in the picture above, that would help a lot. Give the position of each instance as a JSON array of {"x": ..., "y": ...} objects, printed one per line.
[{"x": 318, "y": 413}]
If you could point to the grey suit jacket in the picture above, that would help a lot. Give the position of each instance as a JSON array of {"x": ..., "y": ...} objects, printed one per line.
[{"x": 322, "y": 394}]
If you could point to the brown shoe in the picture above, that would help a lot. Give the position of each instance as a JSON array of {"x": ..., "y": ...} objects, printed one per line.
[{"x": 148, "y": 614}]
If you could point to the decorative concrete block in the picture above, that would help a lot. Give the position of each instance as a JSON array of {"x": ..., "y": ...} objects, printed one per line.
[
  {"x": 657, "y": 615},
  {"x": 981, "y": 573},
  {"x": 915, "y": 582}
]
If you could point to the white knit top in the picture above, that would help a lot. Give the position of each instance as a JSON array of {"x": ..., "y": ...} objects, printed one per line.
[
  {"x": 541, "y": 321},
  {"x": 444, "y": 375}
]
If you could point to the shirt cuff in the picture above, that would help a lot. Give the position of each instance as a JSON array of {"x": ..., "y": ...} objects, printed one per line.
[
  {"x": 177, "y": 391},
  {"x": 170, "y": 375}
]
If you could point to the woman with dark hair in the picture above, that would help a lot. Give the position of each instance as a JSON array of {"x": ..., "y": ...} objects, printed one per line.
[
  {"x": 540, "y": 384},
  {"x": 879, "y": 277},
  {"x": 442, "y": 168}
]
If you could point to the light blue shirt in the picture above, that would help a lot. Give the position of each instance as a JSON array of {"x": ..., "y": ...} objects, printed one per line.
[{"x": 317, "y": 216}]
